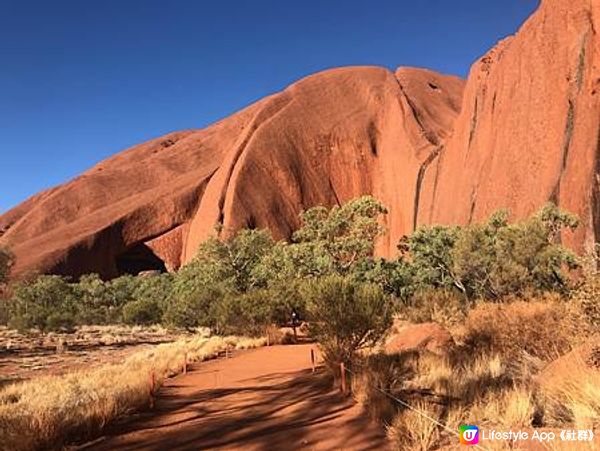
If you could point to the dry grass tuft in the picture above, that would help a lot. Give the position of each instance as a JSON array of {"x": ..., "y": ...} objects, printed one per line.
[
  {"x": 411, "y": 431},
  {"x": 495, "y": 378},
  {"x": 539, "y": 329},
  {"x": 45, "y": 412}
]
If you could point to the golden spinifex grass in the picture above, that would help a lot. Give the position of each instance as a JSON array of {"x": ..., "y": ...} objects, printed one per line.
[
  {"x": 50, "y": 410},
  {"x": 518, "y": 365}
]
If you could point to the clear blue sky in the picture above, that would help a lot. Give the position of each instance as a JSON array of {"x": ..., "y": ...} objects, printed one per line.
[{"x": 82, "y": 80}]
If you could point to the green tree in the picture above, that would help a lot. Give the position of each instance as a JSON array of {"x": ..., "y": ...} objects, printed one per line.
[
  {"x": 494, "y": 259},
  {"x": 231, "y": 263},
  {"x": 336, "y": 240},
  {"x": 346, "y": 316},
  {"x": 193, "y": 306},
  {"x": 47, "y": 303},
  {"x": 95, "y": 304},
  {"x": 245, "y": 314},
  {"x": 429, "y": 252},
  {"x": 142, "y": 312}
]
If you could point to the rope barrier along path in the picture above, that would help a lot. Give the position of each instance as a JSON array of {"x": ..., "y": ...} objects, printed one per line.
[{"x": 417, "y": 411}]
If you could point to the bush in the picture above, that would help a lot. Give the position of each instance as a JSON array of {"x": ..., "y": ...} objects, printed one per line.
[
  {"x": 194, "y": 309},
  {"x": 587, "y": 298},
  {"x": 142, "y": 312},
  {"x": 491, "y": 260},
  {"x": 47, "y": 303},
  {"x": 246, "y": 314},
  {"x": 230, "y": 263},
  {"x": 544, "y": 329},
  {"x": 445, "y": 307},
  {"x": 345, "y": 316},
  {"x": 6, "y": 261},
  {"x": 95, "y": 301}
]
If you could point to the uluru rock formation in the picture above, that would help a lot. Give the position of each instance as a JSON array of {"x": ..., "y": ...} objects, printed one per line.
[{"x": 526, "y": 131}]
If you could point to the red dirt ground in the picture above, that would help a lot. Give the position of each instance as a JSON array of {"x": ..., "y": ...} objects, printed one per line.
[{"x": 263, "y": 399}]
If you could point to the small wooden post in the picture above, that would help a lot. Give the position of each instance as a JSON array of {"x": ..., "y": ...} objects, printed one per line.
[
  {"x": 268, "y": 339},
  {"x": 152, "y": 388},
  {"x": 185, "y": 363},
  {"x": 226, "y": 352},
  {"x": 343, "y": 377},
  {"x": 312, "y": 359}
]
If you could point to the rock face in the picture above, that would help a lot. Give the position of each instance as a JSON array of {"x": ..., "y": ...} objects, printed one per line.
[
  {"x": 526, "y": 131},
  {"x": 324, "y": 140}
]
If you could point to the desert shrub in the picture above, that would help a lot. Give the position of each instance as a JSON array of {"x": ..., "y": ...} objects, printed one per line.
[
  {"x": 245, "y": 314},
  {"x": 345, "y": 316},
  {"x": 46, "y": 303},
  {"x": 142, "y": 312},
  {"x": 283, "y": 298},
  {"x": 395, "y": 277},
  {"x": 230, "y": 263},
  {"x": 494, "y": 259},
  {"x": 95, "y": 301},
  {"x": 587, "y": 298},
  {"x": 154, "y": 288},
  {"x": 193, "y": 309},
  {"x": 445, "y": 307},
  {"x": 122, "y": 290},
  {"x": 336, "y": 240},
  {"x": 540, "y": 329},
  {"x": 6, "y": 261}
]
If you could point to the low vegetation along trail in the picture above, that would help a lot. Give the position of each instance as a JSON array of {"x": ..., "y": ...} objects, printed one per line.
[{"x": 261, "y": 399}]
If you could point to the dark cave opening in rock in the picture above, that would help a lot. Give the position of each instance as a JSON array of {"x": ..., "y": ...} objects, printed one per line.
[{"x": 137, "y": 259}]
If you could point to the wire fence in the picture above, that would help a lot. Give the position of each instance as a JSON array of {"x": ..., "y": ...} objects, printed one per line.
[{"x": 408, "y": 406}]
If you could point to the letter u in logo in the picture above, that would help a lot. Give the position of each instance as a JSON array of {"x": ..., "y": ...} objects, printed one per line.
[{"x": 469, "y": 435}]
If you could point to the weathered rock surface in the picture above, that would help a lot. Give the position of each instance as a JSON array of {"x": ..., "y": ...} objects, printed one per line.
[
  {"x": 324, "y": 140},
  {"x": 528, "y": 129},
  {"x": 418, "y": 337},
  {"x": 525, "y": 132}
]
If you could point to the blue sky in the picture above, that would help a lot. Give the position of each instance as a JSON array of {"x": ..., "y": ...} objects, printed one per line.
[{"x": 82, "y": 80}]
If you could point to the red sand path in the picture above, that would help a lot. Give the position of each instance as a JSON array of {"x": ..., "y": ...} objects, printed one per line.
[{"x": 263, "y": 399}]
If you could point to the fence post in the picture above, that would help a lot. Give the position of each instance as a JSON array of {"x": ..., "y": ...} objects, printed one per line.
[
  {"x": 343, "y": 377},
  {"x": 152, "y": 388},
  {"x": 226, "y": 352},
  {"x": 185, "y": 363},
  {"x": 312, "y": 359}
]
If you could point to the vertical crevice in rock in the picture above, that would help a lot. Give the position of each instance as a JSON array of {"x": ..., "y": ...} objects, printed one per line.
[
  {"x": 473, "y": 122},
  {"x": 420, "y": 176},
  {"x": 568, "y": 137},
  {"x": 581, "y": 64},
  {"x": 568, "y": 133},
  {"x": 429, "y": 135},
  {"x": 472, "y": 208}
]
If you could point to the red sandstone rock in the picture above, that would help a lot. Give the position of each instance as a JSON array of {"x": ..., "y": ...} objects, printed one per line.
[
  {"x": 416, "y": 337},
  {"x": 324, "y": 140},
  {"x": 528, "y": 129},
  {"x": 525, "y": 132}
]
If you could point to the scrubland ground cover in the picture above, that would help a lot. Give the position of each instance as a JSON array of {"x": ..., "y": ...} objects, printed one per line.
[
  {"x": 515, "y": 300},
  {"x": 49, "y": 410}
]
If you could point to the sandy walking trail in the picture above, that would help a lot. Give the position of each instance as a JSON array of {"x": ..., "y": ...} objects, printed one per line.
[{"x": 262, "y": 399}]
